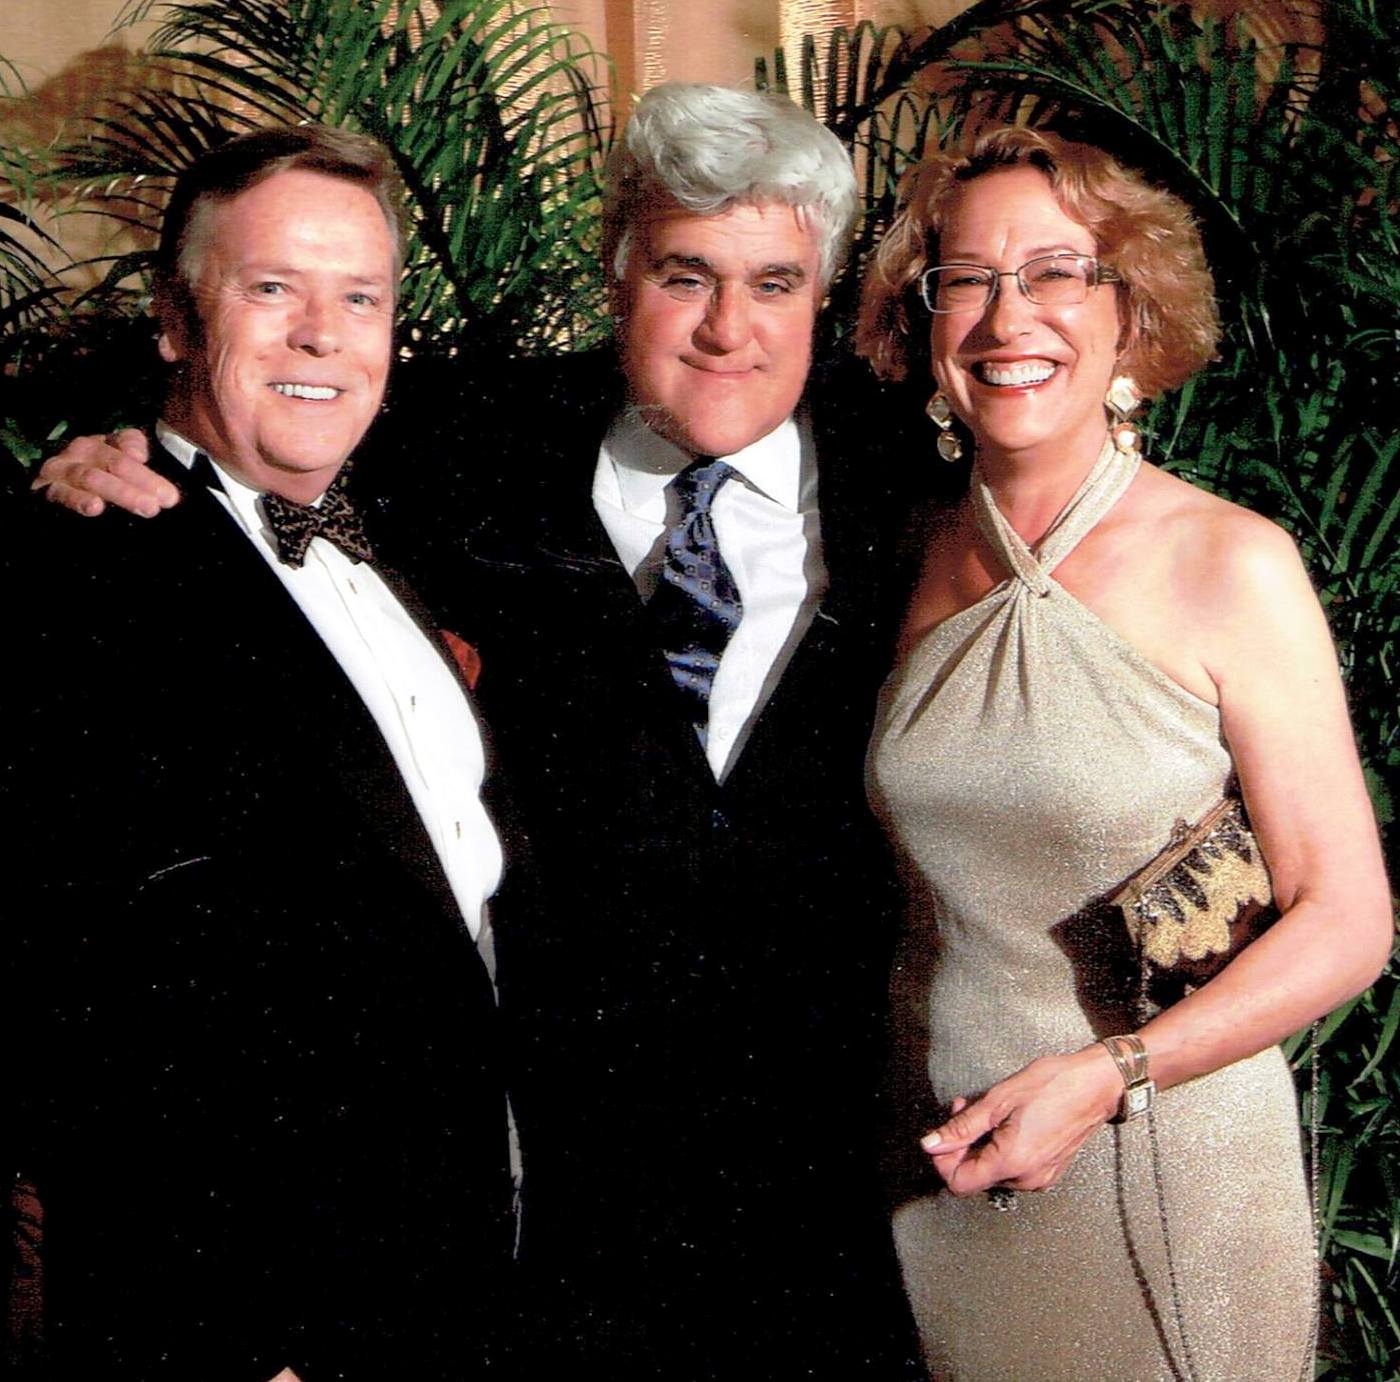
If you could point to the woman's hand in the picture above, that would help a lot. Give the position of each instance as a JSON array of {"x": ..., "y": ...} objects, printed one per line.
[{"x": 1024, "y": 1131}]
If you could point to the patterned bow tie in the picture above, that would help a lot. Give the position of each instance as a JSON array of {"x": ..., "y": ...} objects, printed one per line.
[{"x": 335, "y": 518}]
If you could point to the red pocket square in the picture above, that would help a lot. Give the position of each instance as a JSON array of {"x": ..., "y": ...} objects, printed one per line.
[{"x": 466, "y": 657}]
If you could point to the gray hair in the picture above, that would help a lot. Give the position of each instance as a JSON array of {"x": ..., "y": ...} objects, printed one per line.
[{"x": 706, "y": 148}]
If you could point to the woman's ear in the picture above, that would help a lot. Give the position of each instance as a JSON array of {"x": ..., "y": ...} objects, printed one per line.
[{"x": 1129, "y": 330}]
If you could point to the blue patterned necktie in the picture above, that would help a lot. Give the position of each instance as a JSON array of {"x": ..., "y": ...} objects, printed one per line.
[{"x": 696, "y": 604}]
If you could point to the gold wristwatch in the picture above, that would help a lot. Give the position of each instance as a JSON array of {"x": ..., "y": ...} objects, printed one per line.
[{"x": 1139, "y": 1090}]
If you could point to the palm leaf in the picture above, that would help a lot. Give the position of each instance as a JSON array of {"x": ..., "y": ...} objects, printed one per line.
[
  {"x": 489, "y": 107},
  {"x": 28, "y": 291}
]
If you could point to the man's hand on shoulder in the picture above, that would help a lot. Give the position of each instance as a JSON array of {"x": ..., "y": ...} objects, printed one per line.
[{"x": 92, "y": 472}]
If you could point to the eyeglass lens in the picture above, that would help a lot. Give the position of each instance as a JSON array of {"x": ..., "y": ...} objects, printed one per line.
[{"x": 1052, "y": 280}]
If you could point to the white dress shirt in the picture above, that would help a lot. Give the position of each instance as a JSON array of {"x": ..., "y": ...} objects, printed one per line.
[
  {"x": 766, "y": 524},
  {"x": 401, "y": 677}
]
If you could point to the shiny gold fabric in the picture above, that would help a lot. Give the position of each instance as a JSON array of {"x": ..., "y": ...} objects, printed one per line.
[{"x": 1027, "y": 761}]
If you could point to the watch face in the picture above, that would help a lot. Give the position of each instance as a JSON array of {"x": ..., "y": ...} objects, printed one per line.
[{"x": 1138, "y": 1098}]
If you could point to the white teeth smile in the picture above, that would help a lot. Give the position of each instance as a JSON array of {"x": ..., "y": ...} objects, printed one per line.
[
  {"x": 317, "y": 391},
  {"x": 1027, "y": 372}
]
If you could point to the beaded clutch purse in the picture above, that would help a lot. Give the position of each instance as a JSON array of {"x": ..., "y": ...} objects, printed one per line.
[
  {"x": 1188, "y": 913},
  {"x": 1203, "y": 898}
]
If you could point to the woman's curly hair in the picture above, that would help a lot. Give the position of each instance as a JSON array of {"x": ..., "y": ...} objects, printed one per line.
[{"x": 1145, "y": 234}]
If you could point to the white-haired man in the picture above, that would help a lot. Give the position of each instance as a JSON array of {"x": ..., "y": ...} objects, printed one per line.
[{"x": 678, "y": 581}]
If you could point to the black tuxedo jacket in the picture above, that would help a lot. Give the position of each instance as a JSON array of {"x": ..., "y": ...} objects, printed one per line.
[
  {"x": 259, "y": 1083},
  {"x": 693, "y": 975}
]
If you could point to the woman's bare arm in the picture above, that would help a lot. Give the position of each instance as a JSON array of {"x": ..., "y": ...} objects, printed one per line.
[{"x": 1265, "y": 643}]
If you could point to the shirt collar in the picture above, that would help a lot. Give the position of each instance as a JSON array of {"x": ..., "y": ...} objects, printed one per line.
[
  {"x": 642, "y": 463},
  {"x": 239, "y": 499},
  {"x": 242, "y": 498},
  {"x": 180, "y": 447}
]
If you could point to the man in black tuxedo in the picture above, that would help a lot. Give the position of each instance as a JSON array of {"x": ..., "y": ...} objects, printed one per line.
[
  {"x": 259, "y": 1084},
  {"x": 682, "y": 584},
  {"x": 696, "y": 924}
]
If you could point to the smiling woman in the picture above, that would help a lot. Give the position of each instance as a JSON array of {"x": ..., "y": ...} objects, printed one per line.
[
  {"x": 1023, "y": 373},
  {"x": 1094, "y": 655},
  {"x": 1143, "y": 236}
]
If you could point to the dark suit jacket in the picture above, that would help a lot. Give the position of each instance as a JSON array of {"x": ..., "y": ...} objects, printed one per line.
[
  {"x": 260, "y": 1095},
  {"x": 693, "y": 975}
]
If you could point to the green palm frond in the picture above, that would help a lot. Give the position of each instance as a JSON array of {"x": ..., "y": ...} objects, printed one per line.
[
  {"x": 31, "y": 264},
  {"x": 1358, "y": 1180},
  {"x": 489, "y": 107},
  {"x": 27, "y": 292}
]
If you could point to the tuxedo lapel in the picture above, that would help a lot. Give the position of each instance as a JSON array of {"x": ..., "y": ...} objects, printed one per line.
[
  {"x": 448, "y": 645},
  {"x": 849, "y": 642},
  {"x": 576, "y": 544},
  {"x": 257, "y": 625},
  {"x": 582, "y": 601}
]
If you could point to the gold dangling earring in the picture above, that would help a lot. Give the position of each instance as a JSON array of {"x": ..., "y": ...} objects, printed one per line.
[
  {"x": 940, "y": 412},
  {"x": 1122, "y": 398}
]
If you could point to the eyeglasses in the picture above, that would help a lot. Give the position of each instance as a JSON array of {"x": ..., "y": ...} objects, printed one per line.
[{"x": 1052, "y": 280}]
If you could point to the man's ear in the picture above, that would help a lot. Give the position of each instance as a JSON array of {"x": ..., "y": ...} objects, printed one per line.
[
  {"x": 619, "y": 298},
  {"x": 173, "y": 307}
]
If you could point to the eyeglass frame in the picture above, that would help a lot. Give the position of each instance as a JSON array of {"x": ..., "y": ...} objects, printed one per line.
[{"x": 1101, "y": 274}]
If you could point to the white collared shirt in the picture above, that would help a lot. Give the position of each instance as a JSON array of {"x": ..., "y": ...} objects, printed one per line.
[
  {"x": 420, "y": 709},
  {"x": 768, "y": 532}
]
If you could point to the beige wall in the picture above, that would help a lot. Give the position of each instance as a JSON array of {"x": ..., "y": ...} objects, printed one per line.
[
  {"x": 718, "y": 40},
  {"x": 648, "y": 40},
  {"x": 40, "y": 36}
]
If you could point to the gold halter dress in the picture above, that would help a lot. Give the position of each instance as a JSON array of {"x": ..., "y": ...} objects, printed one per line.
[{"x": 1027, "y": 760}]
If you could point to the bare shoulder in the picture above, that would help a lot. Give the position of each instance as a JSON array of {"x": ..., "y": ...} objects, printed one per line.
[
  {"x": 1241, "y": 595},
  {"x": 1221, "y": 555}
]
